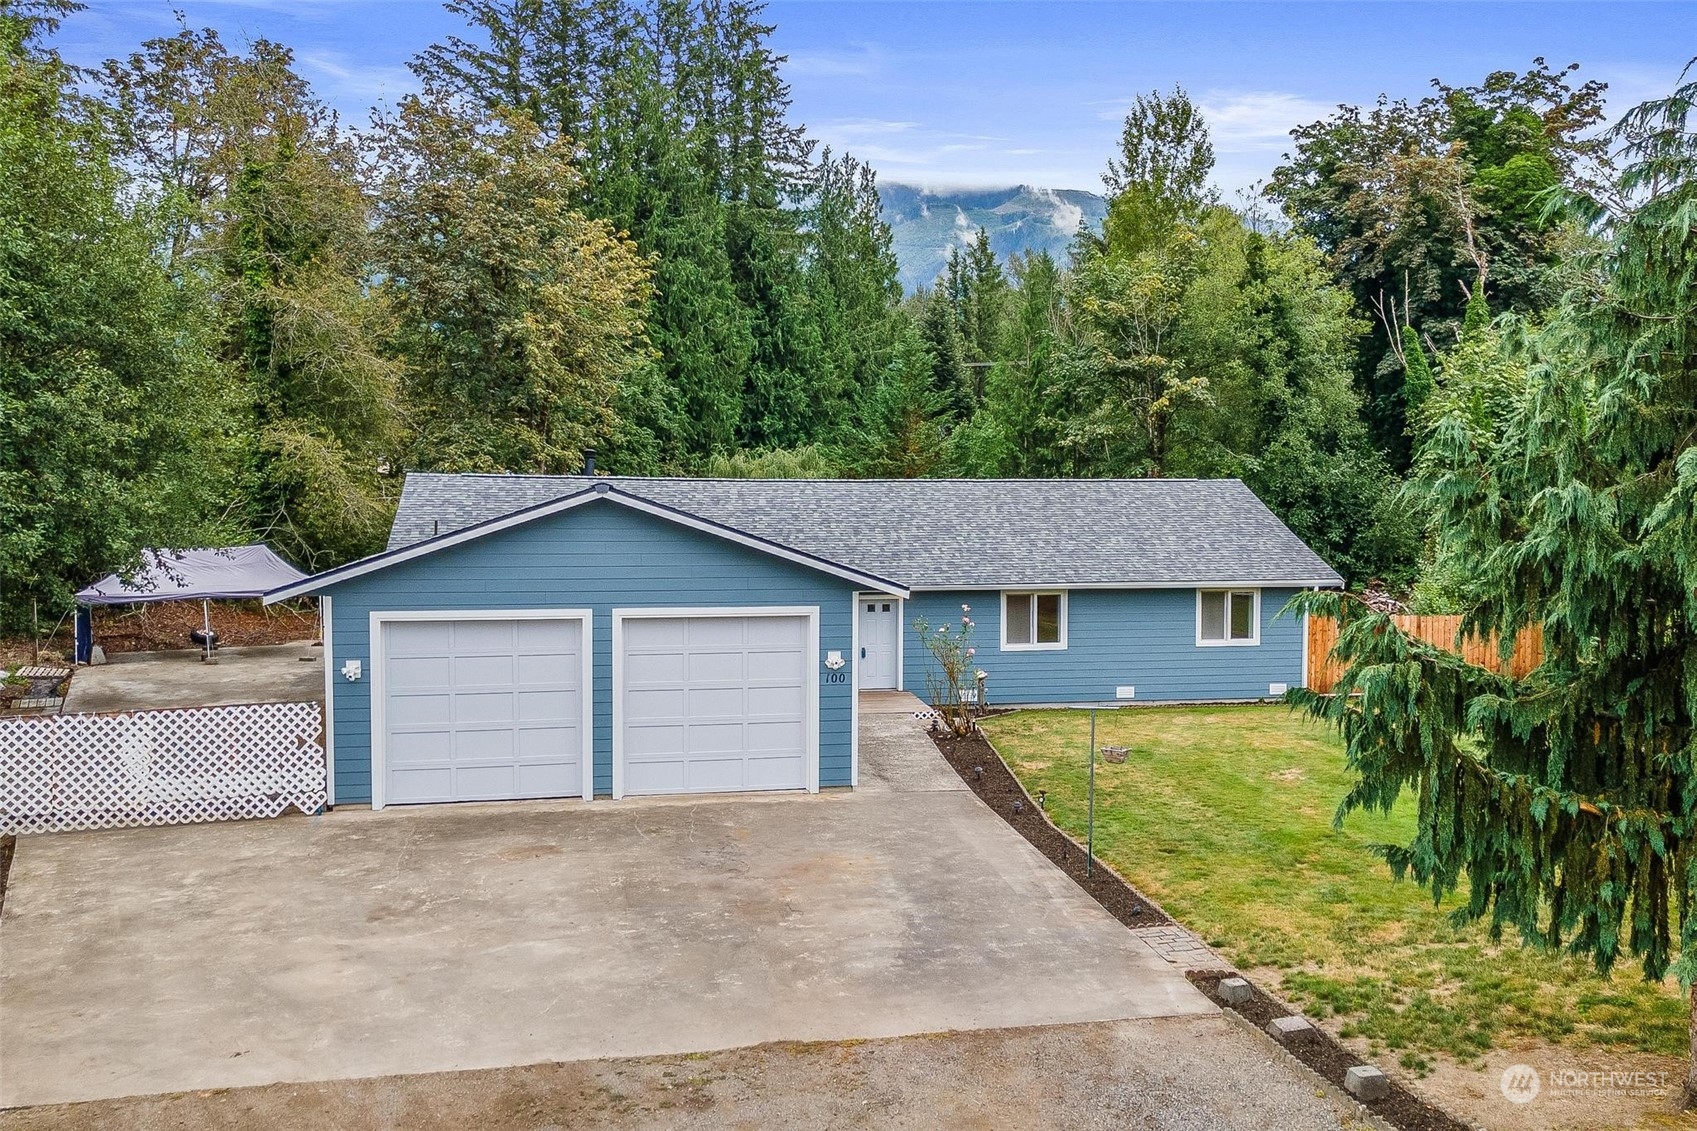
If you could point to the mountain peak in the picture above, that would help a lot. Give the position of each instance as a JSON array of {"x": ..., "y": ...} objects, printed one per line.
[{"x": 926, "y": 223}]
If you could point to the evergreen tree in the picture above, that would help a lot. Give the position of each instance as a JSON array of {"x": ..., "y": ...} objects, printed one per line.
[
  {"x": 1017, "y": 431},
  {"x": 852, "y": 284},
  {"x": 906, "y": 416},
  {"x": 1565, "y": 801},
  {"x": 982, "y": 305},
  {"x": 679, "y": 116},
  {"x": 951, "y": 379},
  {"x": 1417, "y": 381}
]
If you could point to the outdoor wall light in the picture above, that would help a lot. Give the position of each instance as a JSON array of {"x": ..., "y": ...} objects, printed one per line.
[{"x": 351, "y": 670}]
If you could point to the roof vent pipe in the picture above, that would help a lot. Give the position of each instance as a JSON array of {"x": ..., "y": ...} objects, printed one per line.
[{"x": 589, "y": 461}]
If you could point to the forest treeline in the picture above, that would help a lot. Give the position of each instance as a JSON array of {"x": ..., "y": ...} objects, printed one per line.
[{"x": 226, "y": 314}]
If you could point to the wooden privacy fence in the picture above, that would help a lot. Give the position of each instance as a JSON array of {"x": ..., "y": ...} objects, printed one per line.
[
  {"x": 1324, "y": 672},
  {"x": 173, "y": 767}
]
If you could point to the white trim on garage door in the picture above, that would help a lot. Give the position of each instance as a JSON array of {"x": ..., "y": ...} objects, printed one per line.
[
  {"x": 328, "y": 656},
  {"x": 380, "y": 691},
  {"x": 808, "y": 614}
]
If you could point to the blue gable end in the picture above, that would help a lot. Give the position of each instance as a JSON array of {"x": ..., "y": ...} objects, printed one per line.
[
  {"x": 599, "y": 556},
  {"x": 1142, "y": 638}
]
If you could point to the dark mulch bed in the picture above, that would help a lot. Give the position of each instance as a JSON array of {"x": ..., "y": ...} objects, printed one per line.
[
  {"x": 1322, "y": 1052},
  {"x": 6, "y": 844},
  {"x": 999, "y": 789}
]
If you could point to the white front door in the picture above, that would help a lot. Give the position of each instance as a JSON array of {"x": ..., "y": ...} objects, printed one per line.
[
  {"x": 880, "y": 622},
  {"x": 711, "y": 704}
]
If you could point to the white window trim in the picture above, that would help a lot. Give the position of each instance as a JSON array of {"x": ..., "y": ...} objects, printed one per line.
[
  {"x": 1254, "y": 620},
  {"x": 1059, "y": 645},
  {"x": 810, "y": 685},
  {"x": 379, "y": 694}
]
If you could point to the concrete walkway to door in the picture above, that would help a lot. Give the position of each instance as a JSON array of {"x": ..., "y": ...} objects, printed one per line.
[
  {"x": 895, "y": 754},
  {"x": 435, "y": 938}
]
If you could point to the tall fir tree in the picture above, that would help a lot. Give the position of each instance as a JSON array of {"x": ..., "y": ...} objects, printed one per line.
[{"x": 1565, "y": 802}]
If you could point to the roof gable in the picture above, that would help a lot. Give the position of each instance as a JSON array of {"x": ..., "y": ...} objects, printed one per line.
[
  {"x": 586, "y": 492},
  {"x": 945, "y": 533}
]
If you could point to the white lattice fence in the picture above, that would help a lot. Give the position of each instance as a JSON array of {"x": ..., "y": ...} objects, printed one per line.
[{"x": 61, "y": 772}]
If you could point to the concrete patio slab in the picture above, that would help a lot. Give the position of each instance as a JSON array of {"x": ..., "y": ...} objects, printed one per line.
[
  {"x": 477, "y": 936},
  {"x": 142, "y": 681}
]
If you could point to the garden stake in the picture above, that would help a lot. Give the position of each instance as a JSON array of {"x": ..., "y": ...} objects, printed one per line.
[{"x": 1090, "y": 822}]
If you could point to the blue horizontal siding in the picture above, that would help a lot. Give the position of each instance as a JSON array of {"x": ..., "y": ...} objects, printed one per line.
[
  {"x": 1145, "y": 638},
  {"x": 600, "y": 556}
]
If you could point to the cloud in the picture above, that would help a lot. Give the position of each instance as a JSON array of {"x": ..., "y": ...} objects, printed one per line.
[
  {"x": 1257, "y": 121},
  {"x": 901, "y": 147},
  {"x": 861, "y": 62},
  {"x": 339, "y": 79},
  {"x": 865, "y": 127},
  {"x": 1242, "y": 120}
]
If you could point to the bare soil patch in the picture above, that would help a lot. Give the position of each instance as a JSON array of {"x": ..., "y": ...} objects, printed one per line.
[
  {"x": 1568, "y": 1099},
  {"x": 239, "y": 624},
  {"x": 166, "y": 626},
  {"x": 1175, "y": 1074}
]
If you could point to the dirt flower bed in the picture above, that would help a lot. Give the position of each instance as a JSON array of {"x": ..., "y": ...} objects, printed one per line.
[
  {"x": 1000, "y": 790},
  {"x": 1321, "y": 1051}
]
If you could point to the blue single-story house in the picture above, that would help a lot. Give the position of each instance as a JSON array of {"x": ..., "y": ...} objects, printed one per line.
[{"x": 562, "y": 636}]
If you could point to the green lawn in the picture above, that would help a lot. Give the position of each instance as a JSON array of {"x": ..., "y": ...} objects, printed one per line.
[{"x": 1224, "y": 815}]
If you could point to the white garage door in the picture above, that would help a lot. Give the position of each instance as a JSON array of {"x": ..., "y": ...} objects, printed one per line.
[
  {"x": 714, "y": 704},
  {"x": 482, "y": 710}
]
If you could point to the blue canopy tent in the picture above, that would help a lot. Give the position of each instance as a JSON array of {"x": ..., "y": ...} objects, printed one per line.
[{"x": 230, "y": 573}]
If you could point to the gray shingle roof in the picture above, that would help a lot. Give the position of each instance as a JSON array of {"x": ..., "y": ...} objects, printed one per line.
[{"x": 942, "y": 533}]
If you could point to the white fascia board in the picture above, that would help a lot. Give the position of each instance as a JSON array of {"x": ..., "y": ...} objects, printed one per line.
[
  {"x": 1063, "y": 586},
  {"x": 558, "y": 506}
]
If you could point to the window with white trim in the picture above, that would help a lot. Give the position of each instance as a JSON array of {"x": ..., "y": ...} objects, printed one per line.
[
  {"x": 1034, "y": 620},
  {"x": 1228, "y": 616}
]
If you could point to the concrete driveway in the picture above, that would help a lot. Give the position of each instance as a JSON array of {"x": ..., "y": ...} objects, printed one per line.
[{"x": 477, "y": 936}]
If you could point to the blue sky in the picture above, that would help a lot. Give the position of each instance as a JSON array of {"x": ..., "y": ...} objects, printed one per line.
[{"x": 948, "y": 94}]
